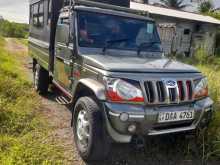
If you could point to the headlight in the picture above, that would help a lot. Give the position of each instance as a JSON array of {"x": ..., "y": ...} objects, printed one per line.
[
  {"x": 120, "y": 90},
  {"x": 201, "y": 88}
]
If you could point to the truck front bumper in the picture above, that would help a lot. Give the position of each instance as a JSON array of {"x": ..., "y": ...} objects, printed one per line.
[{"x": 126, "y": 120}]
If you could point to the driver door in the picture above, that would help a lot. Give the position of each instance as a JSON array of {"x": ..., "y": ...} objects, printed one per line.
[{"x": 63, "y": 54}]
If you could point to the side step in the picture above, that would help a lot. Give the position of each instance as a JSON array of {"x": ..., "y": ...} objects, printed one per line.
[{"x": 63, "y": 100}]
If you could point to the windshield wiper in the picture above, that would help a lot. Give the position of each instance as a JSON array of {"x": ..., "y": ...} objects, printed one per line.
[
  {"x": 111, "y": 42},
  {"x": 146, "y": 45}
]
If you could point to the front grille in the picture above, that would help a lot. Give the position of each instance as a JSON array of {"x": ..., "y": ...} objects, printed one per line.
[{"x": 158, "y": 92}]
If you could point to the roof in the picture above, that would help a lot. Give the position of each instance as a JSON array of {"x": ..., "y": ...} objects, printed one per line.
[
  {"x": 33, "y": 1},
  {"x": 174, "y": 13},
  {"x": 124, "y": 13}
]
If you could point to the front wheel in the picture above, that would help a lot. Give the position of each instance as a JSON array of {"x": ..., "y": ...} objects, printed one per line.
[
  {"x": 41, "y": 79},
  {"x": 89, "y": 133}
]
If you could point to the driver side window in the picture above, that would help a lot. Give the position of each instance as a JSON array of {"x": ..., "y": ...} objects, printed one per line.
[
  {"x": 63, "y": 31},
  {"x": 63, "y": 38}
]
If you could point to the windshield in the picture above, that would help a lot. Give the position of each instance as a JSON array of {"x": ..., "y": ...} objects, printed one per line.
[{"x": 98, "y": 30}]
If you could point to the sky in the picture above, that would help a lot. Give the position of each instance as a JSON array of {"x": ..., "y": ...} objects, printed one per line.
[{"x": 17, "y": 10}]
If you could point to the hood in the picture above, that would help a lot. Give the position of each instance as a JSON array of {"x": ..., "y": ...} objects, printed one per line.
[{"x": 137, "y": 64}]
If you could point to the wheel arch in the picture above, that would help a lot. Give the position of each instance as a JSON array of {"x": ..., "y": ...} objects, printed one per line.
[{"x": 88, "y": 87}]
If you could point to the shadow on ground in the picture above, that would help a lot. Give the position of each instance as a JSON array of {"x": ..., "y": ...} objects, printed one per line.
[{"x": 163, "y": 150}]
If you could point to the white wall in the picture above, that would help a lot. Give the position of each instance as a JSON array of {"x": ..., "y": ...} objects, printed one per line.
[{"x": 174, "y": 39}]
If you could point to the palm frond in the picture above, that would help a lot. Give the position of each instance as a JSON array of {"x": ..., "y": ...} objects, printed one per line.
[
  {"x": 176, "y": 4},
  {"x": 184, "y": 6}
]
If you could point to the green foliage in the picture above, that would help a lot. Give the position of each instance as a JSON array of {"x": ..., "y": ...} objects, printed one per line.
[
  {"x": 215, "y": 14},
  {"x": 210, "y": 67},
  {"x": 11, "y": 29},
  {"x": 24, "y": 136},
  {"x": 175, "y": 4},
  {"x": 211, "y": 140},
  {"x": 201, "y": 56},
  {"x": 205, "y": 7}
]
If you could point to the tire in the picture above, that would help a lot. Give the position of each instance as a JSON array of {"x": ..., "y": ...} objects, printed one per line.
[
  {"x": 41, "y": 79},
  {"x": 97, "y": 145}
]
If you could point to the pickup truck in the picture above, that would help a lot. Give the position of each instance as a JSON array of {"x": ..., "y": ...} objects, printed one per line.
[{"x": 109, "y": 65}]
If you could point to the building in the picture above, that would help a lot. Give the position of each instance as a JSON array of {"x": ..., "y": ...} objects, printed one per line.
[{"x": 182, "y": 32}]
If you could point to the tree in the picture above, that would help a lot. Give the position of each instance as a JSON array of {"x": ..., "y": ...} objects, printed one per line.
[
  {"x": 205, "y": 7},
  {"x": 11, "y": 29},
  {"x": 174, "y": 4}
]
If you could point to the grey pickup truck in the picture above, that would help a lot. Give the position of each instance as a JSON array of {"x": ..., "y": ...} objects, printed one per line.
[{"x": 108, "y": 63}]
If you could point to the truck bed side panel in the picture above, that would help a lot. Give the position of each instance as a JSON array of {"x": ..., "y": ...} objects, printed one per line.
[{"x": 39, "y": 50}]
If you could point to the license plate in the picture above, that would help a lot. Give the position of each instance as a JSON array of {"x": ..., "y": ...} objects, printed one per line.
[{"x": 175, "y": 116}]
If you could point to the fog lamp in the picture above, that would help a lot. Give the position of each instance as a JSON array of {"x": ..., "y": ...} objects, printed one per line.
[
  {"x": 124, "y": 117},
  {"x": 132, "y": 128}
]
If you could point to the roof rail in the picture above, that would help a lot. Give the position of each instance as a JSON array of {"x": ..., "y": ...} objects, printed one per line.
[{"x": 90, "y": 3}]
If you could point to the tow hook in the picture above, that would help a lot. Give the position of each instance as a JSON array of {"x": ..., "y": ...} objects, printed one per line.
[{"x": 138, "y": 142}]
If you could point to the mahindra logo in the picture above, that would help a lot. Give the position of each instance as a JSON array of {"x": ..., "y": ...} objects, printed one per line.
[{"x": 171, "y": 83}]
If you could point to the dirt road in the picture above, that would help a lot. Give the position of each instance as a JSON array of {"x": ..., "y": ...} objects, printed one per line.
[{"x": 164, "y": 150}]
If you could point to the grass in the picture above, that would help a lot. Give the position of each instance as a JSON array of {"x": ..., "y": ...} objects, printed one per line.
[
  {"x": 24, "y": 136},
  {"x": 211, "y": 143},
  {"x": 22, "y": 41},
  {"x": 210, "y": 67}
]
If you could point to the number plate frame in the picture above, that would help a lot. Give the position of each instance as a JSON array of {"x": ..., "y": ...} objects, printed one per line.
[{"x": 175, "y": 116}]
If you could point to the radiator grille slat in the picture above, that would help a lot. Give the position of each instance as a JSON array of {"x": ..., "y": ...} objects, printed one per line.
[
  {"x": 181, "y": 90},
  {"x": 161, "y": 91},
  {"x": 149, "y": 91},
  {"x": 189, "y": 89},
  {"x": 172, "y": 94}
]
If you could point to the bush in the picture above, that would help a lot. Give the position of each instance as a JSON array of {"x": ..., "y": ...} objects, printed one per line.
[
  {"x": 210, "y": 67},
  {"x": 11, "y": 29},
  {"x": 214, "y": 14},
  {"x": 201, "y": 56}
]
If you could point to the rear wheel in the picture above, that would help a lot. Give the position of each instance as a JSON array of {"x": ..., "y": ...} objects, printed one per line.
[
  {"x": 41, "y": 79},
  {"x": 89, "y": 133}
]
